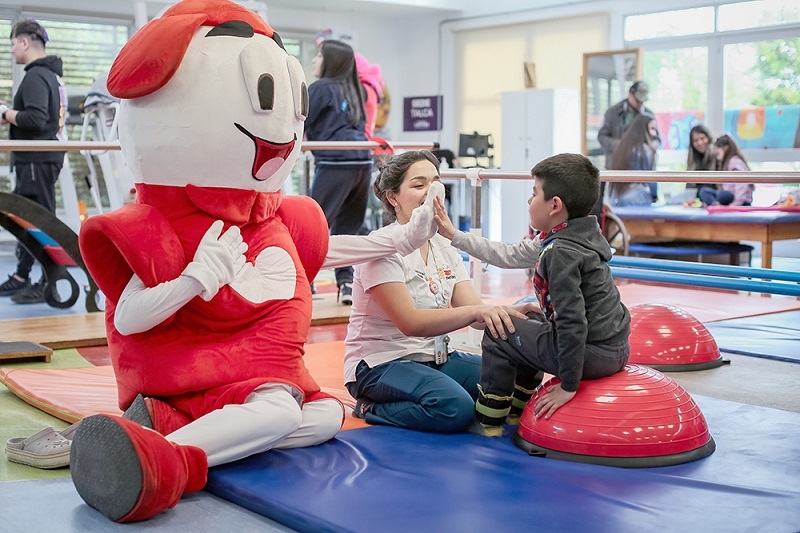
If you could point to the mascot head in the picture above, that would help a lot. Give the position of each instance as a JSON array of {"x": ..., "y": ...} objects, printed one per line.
[{"x": 209, "y": 98}]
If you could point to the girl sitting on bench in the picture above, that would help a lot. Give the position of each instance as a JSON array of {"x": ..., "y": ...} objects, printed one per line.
[{"x": 730, "y": 158}]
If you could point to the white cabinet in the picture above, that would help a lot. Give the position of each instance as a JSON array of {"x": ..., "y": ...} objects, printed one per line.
[{"x": 536, "y": 123}]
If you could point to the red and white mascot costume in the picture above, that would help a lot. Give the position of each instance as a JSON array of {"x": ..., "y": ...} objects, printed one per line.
[{"x": 206, "y": 277}]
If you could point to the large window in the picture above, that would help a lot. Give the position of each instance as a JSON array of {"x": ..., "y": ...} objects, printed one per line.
[
  {"x": 87, "y": 48},
  {"x": 747, "y": 15},
  {"x": 671, "y": 89},
  {"x": 669, "y": 24},
  {"x": 762, "y": 93},
  {"x": 734, "y": 67}
]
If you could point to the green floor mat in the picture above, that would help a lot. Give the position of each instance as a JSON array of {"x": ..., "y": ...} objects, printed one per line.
[{"x": 18, "y": 419}]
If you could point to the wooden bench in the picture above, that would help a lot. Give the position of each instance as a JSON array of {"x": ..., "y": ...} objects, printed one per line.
[{"x": 679, "y": 223}]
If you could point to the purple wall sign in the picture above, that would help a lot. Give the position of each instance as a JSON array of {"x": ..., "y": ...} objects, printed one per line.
[{"x": 422, "y": 113}]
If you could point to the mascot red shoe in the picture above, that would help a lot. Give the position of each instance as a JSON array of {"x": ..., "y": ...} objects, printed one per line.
[{"x": 206, "y": 277}]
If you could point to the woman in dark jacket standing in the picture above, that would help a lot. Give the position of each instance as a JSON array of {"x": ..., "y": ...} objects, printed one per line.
[{"x": 341, "y": 177}]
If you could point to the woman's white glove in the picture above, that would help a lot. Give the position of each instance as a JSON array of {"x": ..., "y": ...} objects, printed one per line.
[
  {"x": 421, "y": 227},
  {"x": 218, "y": 259}
]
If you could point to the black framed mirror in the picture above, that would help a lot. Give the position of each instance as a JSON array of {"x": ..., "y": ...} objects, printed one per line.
[{"x": 605, "y": 81}]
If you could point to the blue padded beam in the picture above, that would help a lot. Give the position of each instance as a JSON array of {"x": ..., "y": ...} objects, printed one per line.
[
  {"x": 705, "y": 268},
  {"x": 697, "y": 280}
]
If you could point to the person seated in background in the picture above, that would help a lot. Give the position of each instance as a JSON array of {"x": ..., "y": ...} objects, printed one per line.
[
  {"x": 701, "y": 155},
  {"x": 397, "y": 363},
  {"x": 730, "y": 158},
  {"x": 635, "y": 151},
  {"x": 583, "y": 328}
]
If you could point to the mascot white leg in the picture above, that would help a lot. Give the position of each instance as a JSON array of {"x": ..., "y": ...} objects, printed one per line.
[{"x": 270, "y": 418}]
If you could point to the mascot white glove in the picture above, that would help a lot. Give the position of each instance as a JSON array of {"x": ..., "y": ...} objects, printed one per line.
[
  {"x": 345, "y": 250},
  {"x": 218, "y": 259},
  {"x": 421, "y": 227}
]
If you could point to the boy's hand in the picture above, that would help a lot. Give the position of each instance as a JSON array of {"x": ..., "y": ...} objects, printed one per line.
[
  {"x": 551, "y": 400},
  {"x": 527, "y": 307},
  {"x": 446, "y": 228}
]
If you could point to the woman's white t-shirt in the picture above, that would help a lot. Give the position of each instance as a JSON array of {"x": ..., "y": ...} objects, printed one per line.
[{"x": 371, "y": 336}]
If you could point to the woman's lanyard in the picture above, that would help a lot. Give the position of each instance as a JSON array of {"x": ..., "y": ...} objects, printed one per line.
[
  {"x": 435, "y": 282},
  {"x": 441, "y": 295}
]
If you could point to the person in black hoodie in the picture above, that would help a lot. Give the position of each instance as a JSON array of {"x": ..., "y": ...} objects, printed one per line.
[
  {"x": 336, "y": 112},
  {"x": 37, "y": 114},
  {"x": 584, "y": 327}
]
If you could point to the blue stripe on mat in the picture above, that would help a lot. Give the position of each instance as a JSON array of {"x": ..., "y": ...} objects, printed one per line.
[
  {"x": 389, "y": 479},
  {"x": 773, "y": 336}
]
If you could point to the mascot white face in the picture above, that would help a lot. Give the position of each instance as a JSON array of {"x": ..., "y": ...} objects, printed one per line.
[{"x": 231, "y": 116}]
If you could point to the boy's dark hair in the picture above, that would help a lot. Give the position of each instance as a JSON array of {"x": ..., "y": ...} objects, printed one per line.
[
  {"x": 571, "y": 177},
  {"x": 30, "y": 27}
]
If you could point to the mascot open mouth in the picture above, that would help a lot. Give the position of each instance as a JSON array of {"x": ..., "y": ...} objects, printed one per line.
[{"x": 269, "y": 156}]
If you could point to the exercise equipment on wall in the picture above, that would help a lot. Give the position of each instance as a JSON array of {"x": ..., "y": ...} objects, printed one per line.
[
  {"x": 101, "y": 117},
  {"x": 53, "y": 244}
]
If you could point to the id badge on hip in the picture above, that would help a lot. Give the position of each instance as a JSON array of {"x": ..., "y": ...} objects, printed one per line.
[{"x": 440, "y": 349}]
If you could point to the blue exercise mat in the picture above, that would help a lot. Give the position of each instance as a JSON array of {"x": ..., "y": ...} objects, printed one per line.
[
  {"x": 388, "y": 479},
  {"x": 772, "y": 336}
]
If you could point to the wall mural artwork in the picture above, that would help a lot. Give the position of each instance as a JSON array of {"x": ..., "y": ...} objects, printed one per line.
[{"x": 771, "y": 127}]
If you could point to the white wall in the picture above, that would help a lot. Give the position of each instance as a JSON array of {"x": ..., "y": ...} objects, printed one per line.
[{"x": 409, "y": 64}]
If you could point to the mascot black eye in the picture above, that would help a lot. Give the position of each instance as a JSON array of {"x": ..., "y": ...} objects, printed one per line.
[
  {"x": 304, "y": 100},
  {"x": 266, "y": 92},
  {"x": 299, "y": 87}
]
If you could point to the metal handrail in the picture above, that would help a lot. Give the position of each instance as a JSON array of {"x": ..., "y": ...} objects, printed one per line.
[
  {"x": 680, "y": 176},
  {"x": 71, "y": 146}
]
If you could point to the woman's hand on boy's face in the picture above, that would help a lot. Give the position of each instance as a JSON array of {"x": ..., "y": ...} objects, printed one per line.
[{"x": 446, "y": 228}]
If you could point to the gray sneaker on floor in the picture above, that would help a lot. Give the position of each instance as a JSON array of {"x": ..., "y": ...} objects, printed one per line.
[
  {"x": 12, "y": 286},
  {"x": 32, "y": 294}
]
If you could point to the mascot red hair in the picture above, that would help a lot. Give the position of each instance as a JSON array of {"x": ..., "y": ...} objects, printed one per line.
[{"x": 206, "y": 276}]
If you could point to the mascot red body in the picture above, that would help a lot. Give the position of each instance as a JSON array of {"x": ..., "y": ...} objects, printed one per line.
[{"x": 207, "y": 276}]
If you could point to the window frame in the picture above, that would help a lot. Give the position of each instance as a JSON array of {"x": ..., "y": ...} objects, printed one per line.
[
  {"x": 715, "y": 44},
  {"x": 17, "y": 72}
]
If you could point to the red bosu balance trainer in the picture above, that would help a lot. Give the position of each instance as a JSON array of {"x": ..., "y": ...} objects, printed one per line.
[
  {"x": 669, "y": 339},
  {"x": 636, "y": 418}
]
